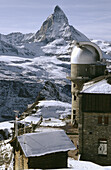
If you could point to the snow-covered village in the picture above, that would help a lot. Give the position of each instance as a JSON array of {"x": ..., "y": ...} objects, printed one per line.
[{"x": 55, "y": 89}]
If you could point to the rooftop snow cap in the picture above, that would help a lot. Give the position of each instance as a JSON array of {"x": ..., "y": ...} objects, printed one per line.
[
  {"x": 85, "y": 53},
  {"x": 39, "y": 144}
]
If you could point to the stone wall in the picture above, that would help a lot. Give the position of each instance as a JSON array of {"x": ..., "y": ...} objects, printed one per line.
[{"x": 90, "y": 133}]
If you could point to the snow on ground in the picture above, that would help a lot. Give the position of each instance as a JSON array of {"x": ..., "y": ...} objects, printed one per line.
[
  {"x": 33, "y": 118},
  {"x": 55, "y": 110},
  {"x": 52, "y": 122},
  {"x": 84, "y": 165},
  {"x": 6, "y": 125},
  {"x": 53, "y": 113}
]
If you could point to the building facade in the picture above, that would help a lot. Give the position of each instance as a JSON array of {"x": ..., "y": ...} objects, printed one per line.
[
  {"x": 85, "y": 65},
  {"x": 91, "y": 103},
  {"x": 95, "y": 123}
]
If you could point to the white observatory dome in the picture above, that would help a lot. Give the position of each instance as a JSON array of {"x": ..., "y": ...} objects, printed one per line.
[{"x": 85, "y": 53}]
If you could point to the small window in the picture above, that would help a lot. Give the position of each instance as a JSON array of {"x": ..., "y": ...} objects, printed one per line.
[
  {"x": 90, "y": 133},
  {"x": 100, "y": 120},
  {"x": 103, "y": 120},
  {"x": 102, "y": 147},
  {"x": 74, "y": 85},
  {"x": 74, "y": 114},
  {"x": 106, "y": 120},
  {"x": 74, "y": 97}
]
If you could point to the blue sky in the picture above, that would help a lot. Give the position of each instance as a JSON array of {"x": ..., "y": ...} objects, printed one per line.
[{"x": 93, "y": 18}]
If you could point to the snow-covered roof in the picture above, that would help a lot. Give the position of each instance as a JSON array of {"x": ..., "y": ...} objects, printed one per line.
[
  {"x": 38, "y": 144},
  {"x": 102, "y": 87},
  {"x": 85, "y": 53}
]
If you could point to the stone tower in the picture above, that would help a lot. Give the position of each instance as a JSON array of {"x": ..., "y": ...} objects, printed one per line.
[{"x": 85, "y": 65}]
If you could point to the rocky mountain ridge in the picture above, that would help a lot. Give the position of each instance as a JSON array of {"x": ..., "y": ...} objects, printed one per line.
[{"x": 55, "y": 27}]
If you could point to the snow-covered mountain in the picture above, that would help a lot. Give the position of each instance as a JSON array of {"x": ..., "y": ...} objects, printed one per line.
[
  {"x": 56, "y": 27},
  {"x": 105, "y": 46},
  {"x": 34, "y": 66},
  {"x": 12, "y": 44},
  {"x": 16, "y": 38}
]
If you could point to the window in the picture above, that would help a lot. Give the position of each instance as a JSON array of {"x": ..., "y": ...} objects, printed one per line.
[
  {"x": 74, "y": 97},
  {"x": 102, "y": 147},
  {"x": 106, "y": 120},
  {"x": 100, "y": 120},
  {"x": 103, "y": 120},
  {"x": 74, "y": 85},
  {"x": 74, "y": 114}
]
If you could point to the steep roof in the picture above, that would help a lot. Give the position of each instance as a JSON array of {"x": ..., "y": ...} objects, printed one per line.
[{"x": 38, "y": 144}]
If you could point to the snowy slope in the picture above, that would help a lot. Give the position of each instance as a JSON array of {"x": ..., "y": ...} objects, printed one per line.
[
  {"x": 16, "y": 38},
  {"x": 23, "y": 79}
]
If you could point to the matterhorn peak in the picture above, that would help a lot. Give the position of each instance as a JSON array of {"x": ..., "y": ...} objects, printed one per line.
[
  {"x": 57, "y": 9},
  {"x": 59, "y": 15},
  {"x": 56, "y": 26}
]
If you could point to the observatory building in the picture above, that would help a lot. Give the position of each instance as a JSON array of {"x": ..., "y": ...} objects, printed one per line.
[
  {"x": 91, "y": 103},
  {"x": 85, "y": 65}
]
